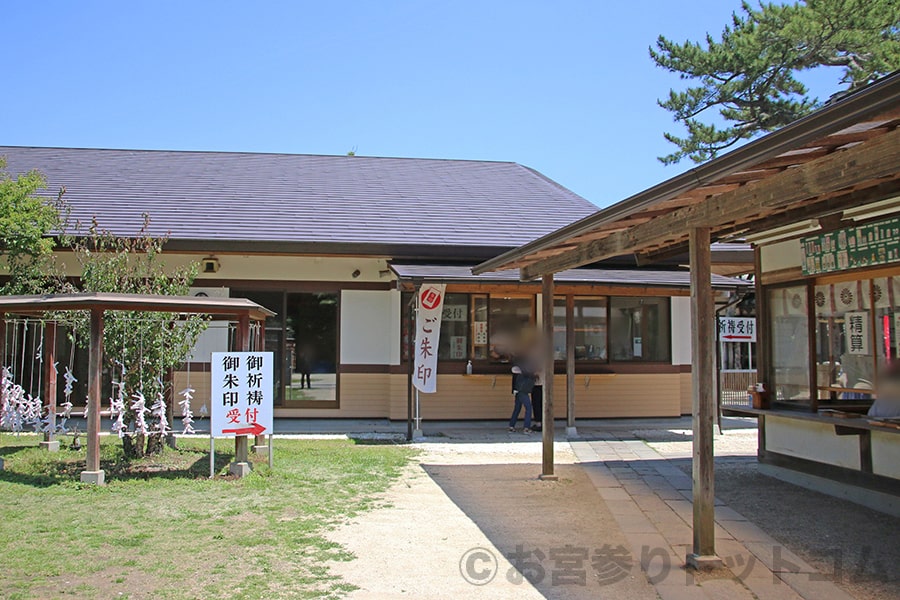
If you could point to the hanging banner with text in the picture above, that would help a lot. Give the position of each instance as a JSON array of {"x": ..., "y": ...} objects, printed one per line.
[
  {"x": 242, "y": 393},
  {"x": 428, "y": 334}
]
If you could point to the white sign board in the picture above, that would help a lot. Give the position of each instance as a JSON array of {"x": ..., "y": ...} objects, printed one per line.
[
  {"x": 737, "y": 329},
  {"x": 455, "y": 312},
  {"x": 242, "y": 393},
  {"x": 428, "y": 333},
  {"x": 857, "y": 331}
]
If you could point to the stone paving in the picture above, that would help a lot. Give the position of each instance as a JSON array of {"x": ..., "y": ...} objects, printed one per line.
[{"x": 650, "y": 500}]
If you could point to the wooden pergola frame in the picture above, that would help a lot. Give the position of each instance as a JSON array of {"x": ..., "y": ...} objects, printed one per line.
[
  {"x": 842, "y": 156},
  {"x": 241, "y": 310}
]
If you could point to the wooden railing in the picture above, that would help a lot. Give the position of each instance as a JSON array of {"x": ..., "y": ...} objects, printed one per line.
[{"x": 733, "y": 386}]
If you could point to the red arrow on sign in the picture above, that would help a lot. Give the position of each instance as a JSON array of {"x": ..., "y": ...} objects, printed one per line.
[
  {"x": 255, "y": 429},
  {"x": 737, "y": 337}
]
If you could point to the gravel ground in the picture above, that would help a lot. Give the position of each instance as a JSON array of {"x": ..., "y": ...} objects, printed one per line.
[
  {"x": 856, "y": 546},
  {"x": 460, "y": 497}
]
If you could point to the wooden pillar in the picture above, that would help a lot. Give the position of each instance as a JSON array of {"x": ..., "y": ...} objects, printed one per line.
[
  {"x": 261, "y": 444},
  {"x": 2, "y": 339},
  {"x": 703, "y": 555},
  {"x": 93, "y": 474},
  {"x": 241, "y": 446},
  {"x": 2, "y": 360},
  {"x": 547, "y": 338},
  {"x": 49, "y": 391},
  {"x": 570, "y": 366}
]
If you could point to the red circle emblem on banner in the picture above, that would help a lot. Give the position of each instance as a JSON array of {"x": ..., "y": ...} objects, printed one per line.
[{"x": 431, "y": 298}]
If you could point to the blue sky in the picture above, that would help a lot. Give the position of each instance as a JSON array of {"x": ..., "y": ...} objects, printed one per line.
[{"x": 564, "y": 87}]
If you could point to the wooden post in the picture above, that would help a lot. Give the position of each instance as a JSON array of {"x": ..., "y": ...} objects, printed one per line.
[
  {"x": 571, "y": 431},
  {"x": 93, "y": 474},
  {"x": 410, "y": 360},
  {"x": 2, "y": 339},
  {"x": 2, "y": 360},
  {"x": 261, "y": 443},
  {"x": 547, "y": 340},
  {"x": 703, "y": 555},
  {"x": 49, "y": 391},
  {"x": 241, "y": 464}
]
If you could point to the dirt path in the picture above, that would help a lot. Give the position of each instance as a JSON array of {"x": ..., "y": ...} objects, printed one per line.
[{"x": 462, "y": 508}]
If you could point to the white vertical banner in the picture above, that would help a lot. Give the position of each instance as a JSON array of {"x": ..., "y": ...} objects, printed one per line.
[{"x": 428, "y": 334}]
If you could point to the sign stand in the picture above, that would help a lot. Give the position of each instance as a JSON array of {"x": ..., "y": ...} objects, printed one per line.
[
  {"x": 212, "y": 455},
  {"x": 418, "y": 431},
  {"x": 242, "y": 395}
]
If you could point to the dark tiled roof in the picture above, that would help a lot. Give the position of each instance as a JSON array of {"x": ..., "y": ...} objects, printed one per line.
[
  {"x": 246, "y": 197},
  {"x": 625, "y": 277}
]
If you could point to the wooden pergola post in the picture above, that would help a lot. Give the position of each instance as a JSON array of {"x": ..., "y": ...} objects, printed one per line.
[
  {"x": 547, "y": 417},
  {"x": 241, "y": 464},
  {"x": 92, "y": 472},
  {"x": 571, "y": 431},
  {"x": 2, "y": 359},
  {"x": 50, "y": 442},
  {"x": 260, "y": 444},
  {"x": 703, "y": 554}
]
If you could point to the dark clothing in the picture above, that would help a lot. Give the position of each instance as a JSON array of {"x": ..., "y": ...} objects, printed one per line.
[
  {"x": 537, "y": 402},
  {"x": 522, "y": 400},
  {"x": 303, "y": 366}
]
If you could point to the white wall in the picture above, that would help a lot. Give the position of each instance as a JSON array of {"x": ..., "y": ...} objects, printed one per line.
[
  {"x": 681, "y": 330},
  {"x": 215, "y": 338},
  {"x": 781, "y": 255},
  {"x": 266, "y": 267},
  {"x": 370, "y": 327}
]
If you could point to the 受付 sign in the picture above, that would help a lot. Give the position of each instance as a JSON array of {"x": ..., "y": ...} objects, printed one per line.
[
  {"x": 737, "y": 329},
  {"x": 242, "y": 393},
  {"x": 428, "y": 333}
]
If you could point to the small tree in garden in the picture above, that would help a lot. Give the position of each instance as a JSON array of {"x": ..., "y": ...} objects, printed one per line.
[
  {"x": 139, "y": 347},
  {"x": 26, "y": 221}
]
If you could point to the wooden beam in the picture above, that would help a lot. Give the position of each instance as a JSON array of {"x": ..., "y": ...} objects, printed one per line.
[
  {"x": 875, "y": 159},
  {"x": 549, "y": 363},
  {"x": 704, "y": 402}
]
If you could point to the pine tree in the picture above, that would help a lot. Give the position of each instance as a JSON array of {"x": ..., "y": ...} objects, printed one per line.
[{"x": 749, "y": 75}]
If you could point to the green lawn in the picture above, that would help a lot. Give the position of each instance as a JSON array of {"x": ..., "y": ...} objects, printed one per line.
[{"x": 161, "y": 529}]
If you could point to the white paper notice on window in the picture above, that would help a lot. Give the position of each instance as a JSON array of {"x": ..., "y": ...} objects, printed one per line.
[{"x": 856, "y": 328}]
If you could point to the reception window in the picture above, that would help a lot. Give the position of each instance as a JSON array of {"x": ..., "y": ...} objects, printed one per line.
[
  {"x": 590, "y": 320},
  {"x": 639, "y": 329},
  {"x": 509, "y": 316},
  {"x": 789, "y": 335}
]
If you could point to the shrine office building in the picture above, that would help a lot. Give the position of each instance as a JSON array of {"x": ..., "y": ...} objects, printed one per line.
[{"x": 336, "y": 246}]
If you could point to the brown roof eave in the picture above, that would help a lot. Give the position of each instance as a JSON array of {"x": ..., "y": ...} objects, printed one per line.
[{"x": 867, "y": 102}]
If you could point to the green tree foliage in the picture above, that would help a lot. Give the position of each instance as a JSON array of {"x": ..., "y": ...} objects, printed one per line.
[
  {"x": 749, "y": 75},
  {"x": 147, "y": 344},
  {"x": 26, "y": 221}
]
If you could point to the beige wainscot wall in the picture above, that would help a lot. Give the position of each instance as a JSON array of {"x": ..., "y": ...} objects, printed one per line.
[{"x": 383, "y": 395}]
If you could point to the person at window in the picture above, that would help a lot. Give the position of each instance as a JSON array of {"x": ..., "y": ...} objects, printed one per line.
[
  {"x": 887, "y": 404},
  {"x": 522, "y": 386},
  {"x": 304, "y": 366}
]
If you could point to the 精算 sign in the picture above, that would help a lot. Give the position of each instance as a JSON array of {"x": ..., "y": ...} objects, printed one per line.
[{"x": 242, "y": 393}]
